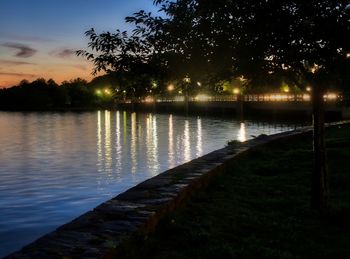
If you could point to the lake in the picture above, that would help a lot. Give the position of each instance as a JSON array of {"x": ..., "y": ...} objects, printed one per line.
[{"x": 57, "y": 166}]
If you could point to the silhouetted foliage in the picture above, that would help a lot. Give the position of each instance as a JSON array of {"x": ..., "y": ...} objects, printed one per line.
[
  {"x": 45, "y": 95},
  {"x": 265, "y": 41}
]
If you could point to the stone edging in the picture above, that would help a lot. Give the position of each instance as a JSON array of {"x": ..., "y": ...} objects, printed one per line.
[{"x": 96, "y": 233}]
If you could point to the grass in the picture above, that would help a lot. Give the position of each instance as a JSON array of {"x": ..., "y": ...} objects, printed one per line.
[{"x": 260, "y": 209}]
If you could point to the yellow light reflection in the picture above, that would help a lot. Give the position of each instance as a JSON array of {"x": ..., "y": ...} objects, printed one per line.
[
  {"x": 99, "y": 142},
  {"x": 133, "y": 149},
  {"x": 118, "y": 147},
  {"x": 124, "y": 127},
  {"x": 199, "y": 137},
  {"x": 108, "y": 147},
  {"x": 155, "y": 145},
  {"x": 187, "y": 144},
  {"x": 171, "y": 158},
  {"x": 242, "y": 133},
  {"x": 152, "y": 144}
]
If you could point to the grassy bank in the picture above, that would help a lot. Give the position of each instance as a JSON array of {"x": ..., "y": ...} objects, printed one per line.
[{"x": 260, "y": 209}]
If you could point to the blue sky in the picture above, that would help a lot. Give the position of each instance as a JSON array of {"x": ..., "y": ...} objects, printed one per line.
[{"x": 46, "y": 30}]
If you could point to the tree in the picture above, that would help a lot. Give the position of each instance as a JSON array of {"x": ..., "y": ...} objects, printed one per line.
[
  {"x": 132, "y": 59},
  {"x": 291, "y": 39},
  {"x": 262, "y": 40}
]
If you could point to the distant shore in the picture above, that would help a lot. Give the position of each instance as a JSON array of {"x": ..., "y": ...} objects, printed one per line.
[{"x": 280, "y": 110}]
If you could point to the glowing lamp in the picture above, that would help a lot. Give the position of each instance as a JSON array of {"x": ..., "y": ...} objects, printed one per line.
[{"x": 171, "y": 87}]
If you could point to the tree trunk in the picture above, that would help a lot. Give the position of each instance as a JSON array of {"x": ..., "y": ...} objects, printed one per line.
[
  {"x": 320, "y": 188},
  {"x": 186, "y": 100},
  {"x": 240, "y": 107}
]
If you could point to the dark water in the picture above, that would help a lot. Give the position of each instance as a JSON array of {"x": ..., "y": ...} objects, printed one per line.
[{"x": 54, "y": 167}]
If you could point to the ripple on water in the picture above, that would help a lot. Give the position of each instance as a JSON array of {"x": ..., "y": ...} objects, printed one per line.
[{"x": 56, "y": 166}]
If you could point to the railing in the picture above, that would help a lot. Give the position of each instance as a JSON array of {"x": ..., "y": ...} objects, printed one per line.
[{"x": 273, "y": 97}]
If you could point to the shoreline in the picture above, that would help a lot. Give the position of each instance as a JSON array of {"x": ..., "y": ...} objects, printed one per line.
[
  {"x": 292, "y": 110},
  {"x": 139, "y": 209}
]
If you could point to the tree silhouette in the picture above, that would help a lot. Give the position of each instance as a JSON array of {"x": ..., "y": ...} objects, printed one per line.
[
  {"x": 304, "y": 42},
  {"x": 291, "y": 39}
]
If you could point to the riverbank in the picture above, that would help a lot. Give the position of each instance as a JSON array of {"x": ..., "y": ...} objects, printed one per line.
[
  {"x": 260, "y": 209},
  {"x": 256, "y": 205},
  {"x": 138, "y": 210}
]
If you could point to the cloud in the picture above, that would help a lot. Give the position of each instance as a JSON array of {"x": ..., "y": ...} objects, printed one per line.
[
  {"x": 81, "y": 67},
  {"x": 16, "y": 37},
  {"x": 23, "y": 51},
  {"x": 63, "y": 53},
  {"x": 14, "y": 63},
  {"x": 17, "y": 74}
]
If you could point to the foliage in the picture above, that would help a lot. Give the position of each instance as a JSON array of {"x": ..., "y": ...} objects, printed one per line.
[
  {"x": 268, "y": 42},
  {"x": 43, "y": 95}
]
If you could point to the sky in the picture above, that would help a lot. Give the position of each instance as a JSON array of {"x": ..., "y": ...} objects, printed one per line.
[{"x": 38, "y": 38}]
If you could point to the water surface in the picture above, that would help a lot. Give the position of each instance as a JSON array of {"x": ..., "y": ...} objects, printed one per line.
[{"x": 56, "y": 166}]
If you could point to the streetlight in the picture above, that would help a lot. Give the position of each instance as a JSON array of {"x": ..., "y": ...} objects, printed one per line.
[
  {"x": 124, "y": 93},
  {"x": 107, "y": 91},
  {"x": 285, "y": 89},
  {"x": 171, "y": 88},
  {"x": 236, "y": 91}
]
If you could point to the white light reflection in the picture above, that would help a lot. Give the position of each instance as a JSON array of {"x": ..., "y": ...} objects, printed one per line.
[
  {"x": 118, "y": 147},
  {"x": 149, "y": 138},
  {"x": 124, "y": 127},
  {"x": 199, "y": 138},
  {"x": 171, "y": 158},
  {"x": 133, "y": 150},
  {"x": 242, "y": 133},
  {"x": 152, "y": 144},
  {"x": 108, "y": 147},
  {"x": 187, "y": 144},
  {"x": 155, "y": 146},
  {"x": 99, "y": 142}
]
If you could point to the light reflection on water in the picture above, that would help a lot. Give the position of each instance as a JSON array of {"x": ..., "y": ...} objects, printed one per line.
[
  {"x": 56, "y": 166},
  {"x": 242, "y": 133}
]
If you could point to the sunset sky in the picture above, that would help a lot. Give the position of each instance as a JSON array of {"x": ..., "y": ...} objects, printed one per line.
[{"x": 38, "y": 38}]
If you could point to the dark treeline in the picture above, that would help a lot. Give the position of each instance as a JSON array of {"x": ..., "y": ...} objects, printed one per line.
[{"x": 48, "y": 95}]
